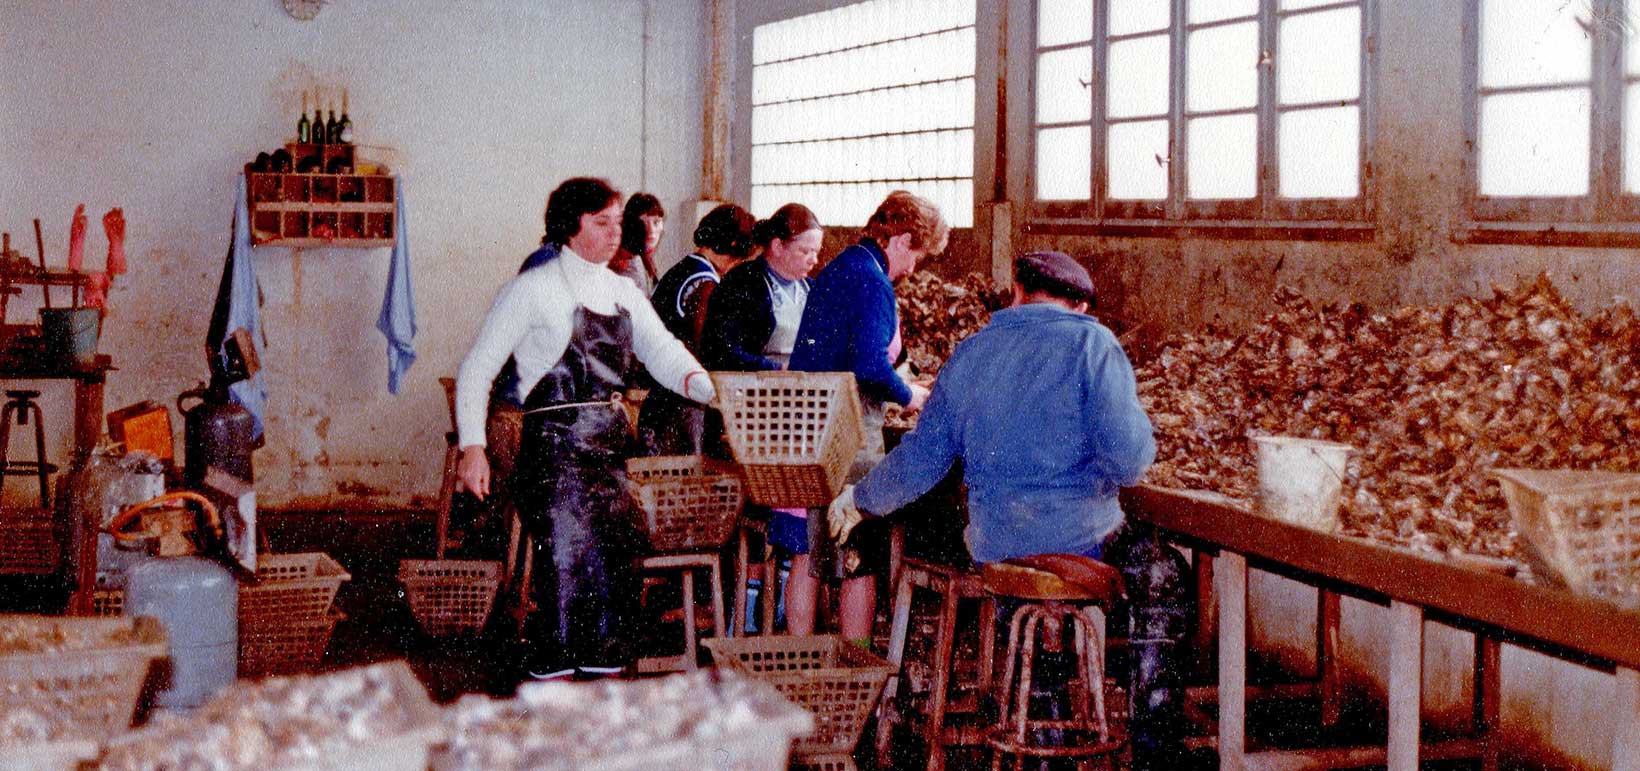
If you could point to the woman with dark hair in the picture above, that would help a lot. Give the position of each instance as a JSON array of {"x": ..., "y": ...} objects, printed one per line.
[
  {"x": 642, "y": 223},
  {"x": 574, "y": 328},
  {"x": 751, "y": 322},
  {"x": 669, "y": 425},
  {"x": 751, "y": 325}
]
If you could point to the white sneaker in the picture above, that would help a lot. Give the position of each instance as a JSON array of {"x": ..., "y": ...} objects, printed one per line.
[{"x": 554, "y": 675}]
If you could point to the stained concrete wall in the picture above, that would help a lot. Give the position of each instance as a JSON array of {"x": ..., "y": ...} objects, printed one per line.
[
  {"x": 1419, "y": 176},
  {"x": 481, "y": 106},
  {"x": 1556, "y": 714}
]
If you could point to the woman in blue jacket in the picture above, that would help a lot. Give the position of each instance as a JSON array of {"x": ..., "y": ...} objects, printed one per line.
[
  {"x": 669, "y": 425},
  {"x": 852, "y": 324}
]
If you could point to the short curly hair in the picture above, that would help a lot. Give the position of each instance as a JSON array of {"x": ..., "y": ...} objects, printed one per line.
[
  {"x": 905, "y": 212},
  {"x": 575, "y": 197}
]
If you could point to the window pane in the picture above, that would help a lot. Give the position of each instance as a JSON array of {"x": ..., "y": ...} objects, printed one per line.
[
  {"x": 1631, "y": 45},
  {"x": 1533, "y": 42},
  {"x": 1061, "y": 21},
  {"x": 1213, "y": 10},
  {"x": 1535, "y": 143},
  {"x": 1320, "y": 153},
  {"x": 1319, "y": 56},
  {"x": 1293, "y": 5},
  {"x": 842, "y": 65},
  {"x": 1137, "y": 160},
  {"x": 1062, "y": 91},
  {"x": 1221, "y": 72},
  {"x": 1138, "y": 74},
  {"x": 1631, "y": 139},
  {"x": 1223, "y": 153},
  {"x": 1064, "y": 163},
  {"x": 1129, "y": 16}
]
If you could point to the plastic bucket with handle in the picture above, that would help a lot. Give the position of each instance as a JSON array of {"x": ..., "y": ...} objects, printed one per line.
[{"x": 1299, "y": 480}]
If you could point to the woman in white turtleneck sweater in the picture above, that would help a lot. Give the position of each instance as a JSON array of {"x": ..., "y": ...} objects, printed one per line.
[{"x": 574, "y": 328}]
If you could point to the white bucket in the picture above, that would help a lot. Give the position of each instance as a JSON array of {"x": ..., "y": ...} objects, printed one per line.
[{"x": 1299, "y": 480}]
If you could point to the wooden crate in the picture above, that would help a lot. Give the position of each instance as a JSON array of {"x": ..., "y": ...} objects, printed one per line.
[{"x": 318, "y": 209}]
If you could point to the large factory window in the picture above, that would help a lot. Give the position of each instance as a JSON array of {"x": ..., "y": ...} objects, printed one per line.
[
  {"x": 1231, "y": 110},
  {"x": 851, "y": 103},
  {"x": 1555, "y": 121}
]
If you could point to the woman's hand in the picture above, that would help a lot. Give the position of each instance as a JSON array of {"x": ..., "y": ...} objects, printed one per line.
[
  {"x": 919, "y": 397},
  {"x": 474, "y": 470}
]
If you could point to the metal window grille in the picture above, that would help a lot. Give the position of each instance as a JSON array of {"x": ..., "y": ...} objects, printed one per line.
[{"x": 851, "y": 103}]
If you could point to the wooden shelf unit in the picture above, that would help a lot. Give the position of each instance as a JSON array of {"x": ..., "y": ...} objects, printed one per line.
[{"x": 318, "y": 209}]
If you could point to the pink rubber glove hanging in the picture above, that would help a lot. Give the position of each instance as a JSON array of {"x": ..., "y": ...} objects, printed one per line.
[
  {"x": 76, "y": 240},
  {"x": 114, "y": 226},
  {"x": 96, "y": 291}
]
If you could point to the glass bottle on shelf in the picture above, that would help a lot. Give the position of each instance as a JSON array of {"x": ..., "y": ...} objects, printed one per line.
[
  {"x": 333, "y": 128},
  {"x": 345, "y": 133},
  {"x": 317, "y": 134},
  {"x": 304, "y": 129}
]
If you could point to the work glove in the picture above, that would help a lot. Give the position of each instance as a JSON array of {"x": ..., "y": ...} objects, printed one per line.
[
  {"x": 76, "y": 240},
  {"x": 114, "y": 227},
  {"x": 844, "y": 515},
  {"x": 697, "y": 385}
]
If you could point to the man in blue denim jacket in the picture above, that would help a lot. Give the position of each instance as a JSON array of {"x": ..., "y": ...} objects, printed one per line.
[{"x": 1042, "y": 408}]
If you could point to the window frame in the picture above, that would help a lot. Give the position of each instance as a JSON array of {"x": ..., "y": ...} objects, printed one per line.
[
  {"x": 1606, "y": 207},
  {"x": 1266, "y": 214}
]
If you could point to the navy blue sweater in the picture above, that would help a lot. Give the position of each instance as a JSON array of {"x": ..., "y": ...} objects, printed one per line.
[
  {"x": 739, "y": 321},
  {"x": 849, "y": 322}
]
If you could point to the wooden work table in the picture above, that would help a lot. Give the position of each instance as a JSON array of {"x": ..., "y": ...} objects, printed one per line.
[
  {"x": 88, "y": 390},
  {"x": 1493, "y": 605}
]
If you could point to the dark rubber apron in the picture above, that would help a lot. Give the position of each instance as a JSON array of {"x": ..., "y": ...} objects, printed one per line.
[{"x": 569, "y": 488}]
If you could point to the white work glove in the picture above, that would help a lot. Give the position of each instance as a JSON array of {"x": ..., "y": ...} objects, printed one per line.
[
  {"x": 698, "y": 386},
  {"x": 843, "y": 515}
]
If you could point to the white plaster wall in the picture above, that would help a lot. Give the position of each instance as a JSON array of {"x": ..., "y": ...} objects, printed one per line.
[{"x": 483, "y": 106}]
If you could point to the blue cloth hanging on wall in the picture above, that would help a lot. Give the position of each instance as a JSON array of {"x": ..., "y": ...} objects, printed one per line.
[
  {"x": 238, "y": 307},
  {"x": 397, "y": 321}
]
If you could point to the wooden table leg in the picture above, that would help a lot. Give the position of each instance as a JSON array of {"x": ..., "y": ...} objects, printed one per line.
[
  {"x": 1230, "y": 586},
  {"x": 1406, "y": 675},
  {"x": 1328, "y": 624},
  {"x": 1207, "y": 614},
  {"x": 88, "y": 414},
  {"x": 1488, "y": 698},
  {"x": 1626, "y": 748}
]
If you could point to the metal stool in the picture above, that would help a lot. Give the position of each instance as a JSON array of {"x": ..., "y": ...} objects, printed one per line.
[
  {"x": 16, "y": 412},
  {"x": 1053, "y": 591},
  {"x": 953, "y": 585}
]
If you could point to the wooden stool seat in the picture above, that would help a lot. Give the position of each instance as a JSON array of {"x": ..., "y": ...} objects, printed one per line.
[
  {"x": 687, "y": 564},
  {"x": 1055, "y": 577}
]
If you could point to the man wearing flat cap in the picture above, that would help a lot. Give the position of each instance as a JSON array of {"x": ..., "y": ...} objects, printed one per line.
[{"x": 1042, "y": 408}]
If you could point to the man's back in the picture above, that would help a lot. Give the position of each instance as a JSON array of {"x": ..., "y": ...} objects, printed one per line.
[{"x": 1041, "y": 407}]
